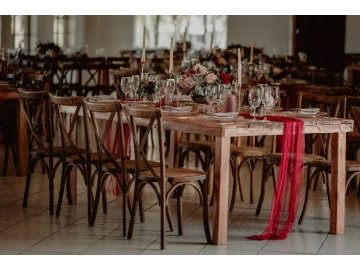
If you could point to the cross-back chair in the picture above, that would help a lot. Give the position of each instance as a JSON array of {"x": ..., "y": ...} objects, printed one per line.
[
  {"x": 34, "y": 104},
  {"x": 72, "y": 154},
  {"x": 160, "y": 178},
  {"x": 333, "y": 105},
  {"x": 351, "y": 110}
]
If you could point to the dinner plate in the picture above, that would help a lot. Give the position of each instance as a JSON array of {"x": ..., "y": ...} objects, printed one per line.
[
  {"x": 227, "y": 114},
  {"x": 310, "y": 110},
  {"x": 102, "y": 97},
  {"x": 181, "y": 109}
]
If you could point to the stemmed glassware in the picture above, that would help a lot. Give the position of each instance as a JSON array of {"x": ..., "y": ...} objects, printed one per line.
[
  {"x": 177, "y": 87},
  {"x": 126, "y": 85},
  {"x": 275, "y": 94},
  {"x": 161, "y": 91},
  {"x": 222, "y": 92},
  {"x": 211, "y": 95},
  {"x": 135, "y": 79},
  {"x": 254, "y": 99},
  {"x": 171, "y": 85},
  {"x": 267, "y": 100}
]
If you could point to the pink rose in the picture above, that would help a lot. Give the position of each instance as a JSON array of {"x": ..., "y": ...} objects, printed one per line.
[
  {"x": 200, "y": 68},
  {"x": 211, "y": 78}
]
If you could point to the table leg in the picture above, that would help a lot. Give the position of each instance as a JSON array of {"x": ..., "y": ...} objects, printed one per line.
[
  {"x": 172, "y": 159},
  {"x": 338, "y": 176},
  {"x": 221, "y": 181},
  {"x": 22, "y": 142}
]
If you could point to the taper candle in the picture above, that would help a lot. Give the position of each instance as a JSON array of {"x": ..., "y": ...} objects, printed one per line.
[
  {"x": 239, "y": 67},
  {"x": 171, "y": 56},
  {"x": 143, "y": 46},
  {"x": 252, "y": 52}
]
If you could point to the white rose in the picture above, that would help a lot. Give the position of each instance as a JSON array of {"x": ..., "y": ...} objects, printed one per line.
[{"x": 211, "y": 78}]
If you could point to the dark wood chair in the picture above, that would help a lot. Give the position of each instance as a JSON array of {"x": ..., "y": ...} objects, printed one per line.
[
  {"x": 72, "y": 155},
  {"x": 158, "y": 178},
  {"x": 34, "y": 103},
  {"x": 323, "y": 167},
  {"x": 332, "y": 105}
]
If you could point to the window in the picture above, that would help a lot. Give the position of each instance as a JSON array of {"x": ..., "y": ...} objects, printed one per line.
[
  {"x": 20, "y": 30},
  {"x": 160, "y": 28},
  {"x": 64, "y": 31}
]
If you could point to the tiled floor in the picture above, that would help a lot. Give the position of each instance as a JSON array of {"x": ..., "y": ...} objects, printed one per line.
[{"x": 34, "y": 231}]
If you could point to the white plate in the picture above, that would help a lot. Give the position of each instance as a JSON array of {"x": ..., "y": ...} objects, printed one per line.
[
  {"x": 103, "y": 97},
  {"x": 182, "y": 109},
  {"x": 310, "y": 110},
  {"x": 228, "y": 114}
]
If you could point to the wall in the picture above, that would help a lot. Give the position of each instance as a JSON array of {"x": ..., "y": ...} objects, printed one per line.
[
  {"x": 113, "y": 33},
  {"x": 270, "y": 32},
  {"x": 6, "y": 37},
  {"x": 352, "y": 37}
]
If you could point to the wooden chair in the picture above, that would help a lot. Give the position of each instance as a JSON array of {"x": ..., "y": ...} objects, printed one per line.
[
  {"x": 72, "y": 155},
  {"x": 117, "y": 75},
  {"x": 34, "y": 104},
  {"x": 274, "y": 159},
  {"x": 323, "y": 167},
  {"x": 159, "y": 178}
]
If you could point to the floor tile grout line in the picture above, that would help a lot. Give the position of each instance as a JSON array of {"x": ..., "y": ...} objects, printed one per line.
[
  {"x": 53, "y": 233},
  {"x": 322, "y": 244}
]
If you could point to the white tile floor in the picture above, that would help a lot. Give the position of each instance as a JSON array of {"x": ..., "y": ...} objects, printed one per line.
[{"x": 34, "y": 231}]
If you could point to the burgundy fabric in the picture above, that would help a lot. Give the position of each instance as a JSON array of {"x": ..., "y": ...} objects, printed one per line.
[{"x": 287, "y": 196}]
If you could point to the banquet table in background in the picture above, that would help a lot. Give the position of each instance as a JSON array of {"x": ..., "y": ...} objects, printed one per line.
[
  {"x": 224, "y": 131},
  {"x": 10, "y": 92}
]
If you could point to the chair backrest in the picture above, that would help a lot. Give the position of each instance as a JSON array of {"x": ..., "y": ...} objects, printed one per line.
[
  {"x": 330, "y": 104},
  {"x": 154, "y": 117},
  {"x": 68, "y": 127},
  {"x": 35, "y": 104},
  {"x": 118, "y": 74},
  {"x": 109, "y": 111},
  {"x": 352, "y": 111},
  {"x": 35, "y": 81},
  {"x": 332, "y": 91}
]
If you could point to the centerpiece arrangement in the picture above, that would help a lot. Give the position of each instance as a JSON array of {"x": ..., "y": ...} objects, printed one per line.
[{"x": 199, "y": 77}]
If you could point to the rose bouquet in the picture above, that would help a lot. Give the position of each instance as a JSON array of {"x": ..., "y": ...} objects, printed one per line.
[{"x": 195, "y": 80}]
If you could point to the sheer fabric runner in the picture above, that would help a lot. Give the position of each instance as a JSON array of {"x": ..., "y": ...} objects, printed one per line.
[{"x": 287, "y": 195}]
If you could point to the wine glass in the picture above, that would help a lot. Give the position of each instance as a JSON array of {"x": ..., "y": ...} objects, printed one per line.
[
  {"x": 178, "y": 92},
  {"x": 222, "y": 92},
  {"x": 267, "y": 100},
  {"x": 266, "y": 71},
  {"x": 135, "y": 79},
  {"x": 161, "y": 91},
  {"x": 259, "y": 71},
  {"x": 171, "y": 85},
  {"x": 254, "y": 99},
  {"x": 275, "y": 94},
  {"x": 211, "y": 95},
  {"x": 126, "y": 85}
]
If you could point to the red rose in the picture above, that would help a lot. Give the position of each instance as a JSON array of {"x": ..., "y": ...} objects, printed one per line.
[{"x": 225, "y": 78}]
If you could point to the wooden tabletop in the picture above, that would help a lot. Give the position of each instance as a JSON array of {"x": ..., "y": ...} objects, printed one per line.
[{"x": 199, "y": 124}]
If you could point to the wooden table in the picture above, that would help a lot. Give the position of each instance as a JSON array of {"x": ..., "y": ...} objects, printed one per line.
[
  {"x": 223, "y": 131},
  {"x": 10, "y": 92}
]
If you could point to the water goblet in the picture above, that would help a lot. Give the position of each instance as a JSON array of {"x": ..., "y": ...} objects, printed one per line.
[
  {"x": 126, "y": 85},
  {"x": 254, "y": 99},
  {"x": 135, "y": 79}
]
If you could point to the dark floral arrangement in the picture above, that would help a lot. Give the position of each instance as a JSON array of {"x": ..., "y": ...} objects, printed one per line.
[
  {"x": 277, "y": 74},
  {"x": 148, "y": 87}
]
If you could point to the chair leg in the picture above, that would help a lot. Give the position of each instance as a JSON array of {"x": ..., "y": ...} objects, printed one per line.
[
  {"x": 251, "y": 166},
  {"x": 306, "y": 200},
  {"x": 204, "y": 188},
  {"x": 133, "y": 210},
  {"x": 263, "y": 186},
  {"x": 124, "y": 197},
  {"x": 6, "y": 159},
  {"x": 68, "y": 188},
  {"x": 241, "y": 191},
  {"x": 28, "y": 178},
  {"x": 169, "y": 219},
  {"x": 14, "y": 154},
  {"x": 97, "y": 200},
  {"x": 61, "y": 191},
  {"x": 180, "y": 192},
  {"x": 104, "y": 201},
  {"x": 234, "y": 188},
  {"x": 51, "y": 186}
]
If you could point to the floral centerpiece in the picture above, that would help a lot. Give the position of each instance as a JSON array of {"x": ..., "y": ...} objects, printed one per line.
[
  {"x": 196, "y": 79},
  {"x": 277, "y": 74}
]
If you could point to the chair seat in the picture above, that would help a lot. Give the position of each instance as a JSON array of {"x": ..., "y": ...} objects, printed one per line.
[
  {"x": 57, "y": 151},
  {"x": 307, "y": 157},
  {"x": 130, "y": 166},
  {"x": 199, "y": 144},
  {"x": 175, "y": 175},
  {"x": 93, "y": 156},
  {"x": 351, "y": 165},
  {"x": 248, "y": 151}
]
